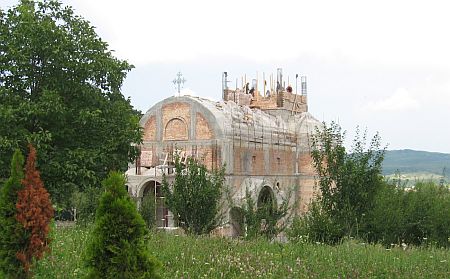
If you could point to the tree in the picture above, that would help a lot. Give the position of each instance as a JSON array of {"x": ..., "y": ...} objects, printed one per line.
[
  {"x": 194, "y": 196},
  {"x": 117, "y": 248},
  {"x": 147, "y": 210},
  {"x": 12, "y": 234},
  {"x": 60, "y": 89},
  {"x": 348, "y": 181},
  {"x": 34, "y": 213}
]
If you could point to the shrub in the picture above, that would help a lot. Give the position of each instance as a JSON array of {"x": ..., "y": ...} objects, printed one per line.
[
  {"x": 194, "y": 196},
  {"x": 385, "y": 222},
  {"x": 12, "y": 234},
  {"x": 34, "y": 212},
  {"x": 316, "y": 226},
  {"x": 266, "y": 218},
  {"x": 117, "y": 248},
  {"x": 420, "y": 216},
  {"x": 427, "y": 214}
]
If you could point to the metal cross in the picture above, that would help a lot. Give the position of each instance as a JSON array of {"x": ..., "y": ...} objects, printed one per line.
[{"x": 179, "y": 81}]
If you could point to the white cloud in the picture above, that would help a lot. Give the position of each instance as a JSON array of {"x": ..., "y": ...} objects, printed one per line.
[
  {"x": 387, "y": 32},
  {"x": 192, "y": 93},
  {"x": 401, "y": 100},
  {"x": 403, "y": 32},
  {"x": 333, "y": 42}
]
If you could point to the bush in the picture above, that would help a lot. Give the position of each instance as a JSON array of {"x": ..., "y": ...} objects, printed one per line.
[
  {"x": 117, "y": 248},
  {"x": 316, "y": 226},
  {"x": 266, "y": 218},
  {"x": 12, "y": 234},
  {"x": 427, "y": 215},
  {"x": 420, "y": 216},
  {"x": 385, "y": 222}
]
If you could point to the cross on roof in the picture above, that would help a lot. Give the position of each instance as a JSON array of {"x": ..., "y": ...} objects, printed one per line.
[{"x": 179, "y": 81}]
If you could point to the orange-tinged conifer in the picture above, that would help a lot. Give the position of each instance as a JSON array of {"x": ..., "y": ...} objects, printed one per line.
[{"x": 34, "y": 212}]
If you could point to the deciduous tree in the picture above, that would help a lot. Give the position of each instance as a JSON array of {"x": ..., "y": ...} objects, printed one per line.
[
  {"x": 60, "y": 89},
  {"x": 348, "y": 180},
  {"x": 194, "y": 197}
]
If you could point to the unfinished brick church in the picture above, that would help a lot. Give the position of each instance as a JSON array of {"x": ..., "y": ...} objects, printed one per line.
[{"x": 261, "y": 134}]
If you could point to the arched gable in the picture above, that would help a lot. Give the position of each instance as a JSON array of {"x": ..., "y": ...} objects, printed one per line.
[{"x": 191, "y": 110}]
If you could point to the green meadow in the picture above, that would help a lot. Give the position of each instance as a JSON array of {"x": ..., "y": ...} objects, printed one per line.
[{"x": 215, "y": 257}]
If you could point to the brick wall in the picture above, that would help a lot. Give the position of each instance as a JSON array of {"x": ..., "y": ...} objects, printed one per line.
[
  {"x": 150, "y": 129},
  {"x": 210, "y": 156},
  {"x": 257, "y": 162},
  {"x": 202, "y": 129},
  {"x": 250, "y": 160},
  {"x": 305, "y": 164},
  {"x": 281, "y": 161},
  {"x": 237, "y": 160},
  {"x": 307, "y": 193}
]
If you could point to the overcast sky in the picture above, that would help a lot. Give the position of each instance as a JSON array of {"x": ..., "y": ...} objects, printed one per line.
[{"x": 384, "y": 65}]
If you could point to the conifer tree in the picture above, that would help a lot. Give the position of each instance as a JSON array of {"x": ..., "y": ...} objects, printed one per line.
[
  {"x": 34, "y": 213},
  {"x": 12, "y": 236},
  {"x": 117, "y": 248}
]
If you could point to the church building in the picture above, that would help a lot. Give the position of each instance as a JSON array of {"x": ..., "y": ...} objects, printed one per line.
[{"x": 260, "y": 133}]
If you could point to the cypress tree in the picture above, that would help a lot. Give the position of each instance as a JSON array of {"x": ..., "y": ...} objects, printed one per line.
[
  {"x": 117, "y": 248},
  {"x": 12, "y": 234},
  {"x": 34, "y": 213}
]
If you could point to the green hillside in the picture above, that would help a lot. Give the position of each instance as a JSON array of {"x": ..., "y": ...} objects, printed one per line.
[{"x": 411, "y": 161}]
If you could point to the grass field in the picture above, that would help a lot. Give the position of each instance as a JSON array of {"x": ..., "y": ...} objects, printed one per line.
[{"x": 205, "y": 257}]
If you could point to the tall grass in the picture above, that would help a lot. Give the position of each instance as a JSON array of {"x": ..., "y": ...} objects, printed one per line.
[
  {"x": 67, "y": 252},
  {"x": 205, "y": 257}
]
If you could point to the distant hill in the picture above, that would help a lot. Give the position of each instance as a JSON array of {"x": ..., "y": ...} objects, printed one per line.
[{"x": 412, "y": 161}]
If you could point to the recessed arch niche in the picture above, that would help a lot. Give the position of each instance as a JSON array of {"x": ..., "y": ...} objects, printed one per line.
[{"x": 176, "y": 129}]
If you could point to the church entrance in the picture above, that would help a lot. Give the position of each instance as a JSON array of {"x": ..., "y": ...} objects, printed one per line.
[
  {"x": 266, "y": 199},
  {"x": 162, "y": 213},
  {"x": 266, "y": 205}
]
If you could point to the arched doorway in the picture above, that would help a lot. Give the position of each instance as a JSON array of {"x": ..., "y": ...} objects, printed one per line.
[
  {"x": 266, "y": 205},
  {"x": 266, "y": 199},
  {"x": 236, "y": 222},
  {"x": 162, "y": 214}
]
